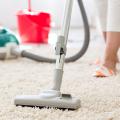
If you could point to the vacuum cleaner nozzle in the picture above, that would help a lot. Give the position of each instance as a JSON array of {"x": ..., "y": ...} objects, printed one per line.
[{"x": 64, "y": 101}]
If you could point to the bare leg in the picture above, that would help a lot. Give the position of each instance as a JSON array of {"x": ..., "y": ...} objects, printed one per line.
[
  {"x": 112, "y": 47},
  {"x": 105, "y": 38}
]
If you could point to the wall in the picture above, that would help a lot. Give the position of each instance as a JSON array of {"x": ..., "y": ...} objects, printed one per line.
[{"x": 9, "y": 8}]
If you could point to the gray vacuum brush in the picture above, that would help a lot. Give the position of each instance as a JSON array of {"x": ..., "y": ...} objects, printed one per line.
[
  {"x": 63, "y": 101},
  {"x": 54, "y": 98}
]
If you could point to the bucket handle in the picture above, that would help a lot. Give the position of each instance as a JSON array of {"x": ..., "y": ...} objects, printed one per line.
[{"x": 29, "y": 5}]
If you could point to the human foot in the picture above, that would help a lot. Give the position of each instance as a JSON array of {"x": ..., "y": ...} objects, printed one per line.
[
  {"x": 106, "y": 69},
  {"x": 110, "y": 66},
  {"x": 102, "y": 71}
]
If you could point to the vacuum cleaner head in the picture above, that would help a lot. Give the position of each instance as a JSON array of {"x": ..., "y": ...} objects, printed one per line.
[{"x": 65, "y": 101}]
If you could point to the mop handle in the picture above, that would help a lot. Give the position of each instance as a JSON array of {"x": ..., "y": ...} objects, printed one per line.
[{"x": 29, "y": 5}]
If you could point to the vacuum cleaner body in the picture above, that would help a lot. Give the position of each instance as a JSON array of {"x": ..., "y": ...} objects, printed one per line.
[
  {"x": 7, "y": 51},
  {"x": 6, "y": 36},
  {"x": 8, "y": 41}
]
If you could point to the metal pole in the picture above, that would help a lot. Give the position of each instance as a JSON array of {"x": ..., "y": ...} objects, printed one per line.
[{"x": 61, "y": 46}]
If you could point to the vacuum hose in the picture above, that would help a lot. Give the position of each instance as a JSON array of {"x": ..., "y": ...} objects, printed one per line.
[{"x": 79, "y": 54}]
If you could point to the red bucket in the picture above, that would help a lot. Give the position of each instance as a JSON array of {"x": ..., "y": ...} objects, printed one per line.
[{"x": 34, "y": 27}]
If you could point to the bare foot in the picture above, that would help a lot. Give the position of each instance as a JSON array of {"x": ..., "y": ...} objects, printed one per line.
[{"x": 110, "y": 65}]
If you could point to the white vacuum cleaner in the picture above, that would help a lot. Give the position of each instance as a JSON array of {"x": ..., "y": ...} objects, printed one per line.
[{"x": 53, "y": 97}]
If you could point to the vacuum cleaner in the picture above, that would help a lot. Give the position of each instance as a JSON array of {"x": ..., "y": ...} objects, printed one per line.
[
  {"x": 53, "y": 97},
  {"x": 7, "y": 40}
]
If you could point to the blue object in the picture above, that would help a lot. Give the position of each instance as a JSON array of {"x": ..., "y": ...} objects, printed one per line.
[{"x": 6, "y": 36}]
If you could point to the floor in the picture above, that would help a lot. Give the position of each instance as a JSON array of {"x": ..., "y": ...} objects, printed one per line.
[{"x": 100, "y": 97}]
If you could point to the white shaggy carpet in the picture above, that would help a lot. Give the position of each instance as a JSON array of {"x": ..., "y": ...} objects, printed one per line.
[{"x": 100, "y": 97}]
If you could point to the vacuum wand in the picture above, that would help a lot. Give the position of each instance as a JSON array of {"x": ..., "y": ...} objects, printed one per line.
[{"x": 61, "y": 45}]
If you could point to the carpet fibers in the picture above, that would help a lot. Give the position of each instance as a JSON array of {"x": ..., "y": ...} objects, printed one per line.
[{"x": 100, "y": 97}]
